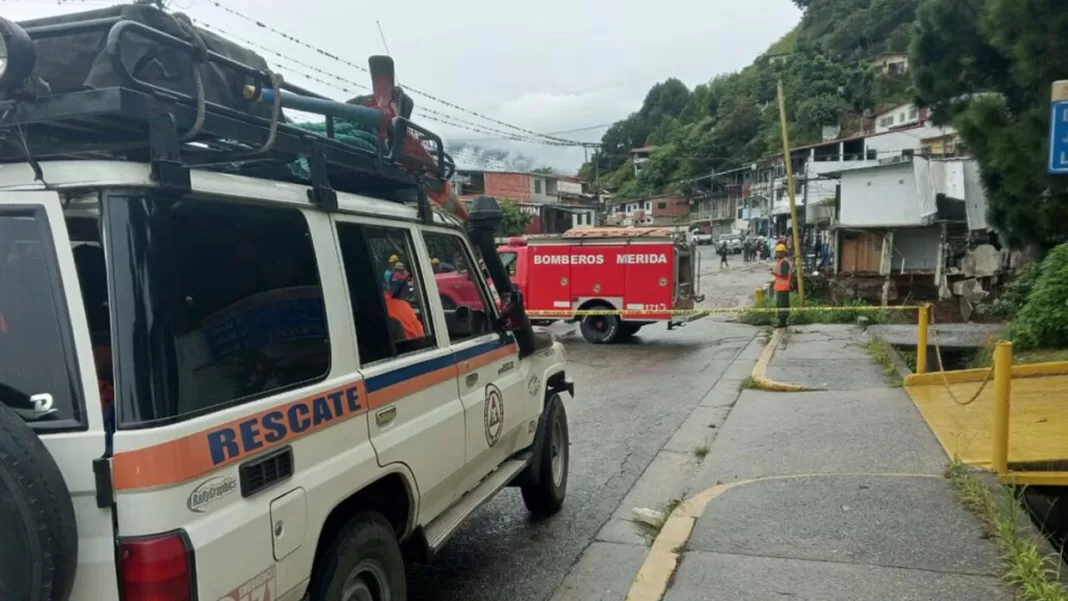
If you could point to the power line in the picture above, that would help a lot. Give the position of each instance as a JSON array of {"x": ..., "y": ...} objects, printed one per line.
[
  {"x": 440, "y": 116},
  {"x": 337, "y": 58}
]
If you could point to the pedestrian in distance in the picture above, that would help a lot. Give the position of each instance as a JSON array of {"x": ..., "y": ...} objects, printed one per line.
[
  {"x": 723, "y": 252},
  {"x": 782, "y": 272}
]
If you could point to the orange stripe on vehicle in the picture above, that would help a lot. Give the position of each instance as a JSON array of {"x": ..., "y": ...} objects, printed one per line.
[
  {"x": 202, "y": 452},
  {"x": 411, "y": 385}
]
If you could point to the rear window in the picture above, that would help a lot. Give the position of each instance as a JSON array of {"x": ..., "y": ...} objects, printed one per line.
[
  {"x": 37, "y": 365},
  {"x": 215, "y": 304}
]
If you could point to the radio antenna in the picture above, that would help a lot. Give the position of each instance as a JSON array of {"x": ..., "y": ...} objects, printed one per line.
[{"x": 382, "y": 34}]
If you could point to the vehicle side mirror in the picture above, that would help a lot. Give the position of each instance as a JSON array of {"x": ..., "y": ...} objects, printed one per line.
[{"x": 513, "y": 314}]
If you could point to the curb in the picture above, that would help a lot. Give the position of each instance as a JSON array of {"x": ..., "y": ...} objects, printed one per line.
[
  {"x": 760, "y": 370},
  {"x": 660, "y": 564}
]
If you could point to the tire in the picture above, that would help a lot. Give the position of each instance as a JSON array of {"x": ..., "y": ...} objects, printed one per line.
[
  {"x": 39, "y": 541},
  {"x": 364, "y": 554},
  {"x": 544, "y": 494},
  {"x": 600, "y": 329}
]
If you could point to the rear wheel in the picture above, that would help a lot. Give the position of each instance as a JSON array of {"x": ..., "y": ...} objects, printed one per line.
[
  {"x": 545, "y": 491},
  {"x": 601, "y": 329},
  {"x": 39, "y": 541},
  {"x": 363, "y": 563}
]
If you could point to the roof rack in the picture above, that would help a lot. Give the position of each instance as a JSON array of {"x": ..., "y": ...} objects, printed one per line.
[{"x": 229, "y": 116}]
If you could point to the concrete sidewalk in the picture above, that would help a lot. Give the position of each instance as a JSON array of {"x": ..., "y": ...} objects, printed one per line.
[{"x": 828, "y": 495}]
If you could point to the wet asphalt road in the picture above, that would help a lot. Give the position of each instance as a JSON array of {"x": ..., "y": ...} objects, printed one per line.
[{"x": 630, "y": 398}]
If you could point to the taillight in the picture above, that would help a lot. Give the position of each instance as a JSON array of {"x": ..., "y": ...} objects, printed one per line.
[{"x": 157, "y": 568}]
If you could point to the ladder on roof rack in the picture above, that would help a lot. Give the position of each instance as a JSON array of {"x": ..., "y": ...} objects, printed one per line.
[{"x": 135, "y": 115}]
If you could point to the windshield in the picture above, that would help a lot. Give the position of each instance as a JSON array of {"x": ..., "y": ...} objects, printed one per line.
[
  {"x": 508, "y": 259},
  {"x": 37, "y": 368}
]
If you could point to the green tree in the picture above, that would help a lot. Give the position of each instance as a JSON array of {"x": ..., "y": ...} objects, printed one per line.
[
  {"x": 543, "y": 170},
  {"x": 1014, "y": 50},
  {"x": 513, "y": 221}
]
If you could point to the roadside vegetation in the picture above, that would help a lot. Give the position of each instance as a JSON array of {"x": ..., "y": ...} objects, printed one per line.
[
  {"x": 1037, "y": 301},
  {"x": 1035, "y": 576},
  {"x": 879, "y": 349},
  {"x": 846, "y": 312}
]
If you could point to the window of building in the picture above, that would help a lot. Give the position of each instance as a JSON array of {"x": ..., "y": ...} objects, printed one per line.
[
  {"x": 661, "y": 205},
  {"x": 886, "y": 121},
  {"x": 537, "y": 186},
  {"x": 907, "y": 153},
  {"x": 215, "y": 304},
  {"x": 872, "y": 154},
  {"x": 914, "y": 113},
  {"x": 459, "y": 284}
]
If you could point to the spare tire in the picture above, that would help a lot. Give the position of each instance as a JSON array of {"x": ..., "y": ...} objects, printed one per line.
[{"x": 39, "y": 540}]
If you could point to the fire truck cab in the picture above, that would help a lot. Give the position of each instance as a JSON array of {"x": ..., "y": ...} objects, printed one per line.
[{"x": 637, "y": 276}]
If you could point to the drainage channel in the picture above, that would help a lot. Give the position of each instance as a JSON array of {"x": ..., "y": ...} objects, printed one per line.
[{"x": 1047, "y": 506}]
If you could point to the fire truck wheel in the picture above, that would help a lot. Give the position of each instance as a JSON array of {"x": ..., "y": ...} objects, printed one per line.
[
  {"x": 600, "y": 329},
  {"x": 364, "y": 561},
  {"x": 39, "y": 542}
]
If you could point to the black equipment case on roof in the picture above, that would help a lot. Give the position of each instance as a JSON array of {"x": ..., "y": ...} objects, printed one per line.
[
  {"x": 70, "y": 61},
  {"x": 122, "y": 83}
]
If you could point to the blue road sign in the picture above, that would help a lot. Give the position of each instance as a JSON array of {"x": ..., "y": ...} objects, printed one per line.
[{"x": 1058, "y": 142}]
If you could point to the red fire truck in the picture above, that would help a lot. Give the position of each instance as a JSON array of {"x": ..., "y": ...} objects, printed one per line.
[{"x": 642, "y": 270}]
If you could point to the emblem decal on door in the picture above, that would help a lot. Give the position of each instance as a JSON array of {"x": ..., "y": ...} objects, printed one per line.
[
  {"x": 533, "y": 385},
  {"x": 493, "y": 414}
]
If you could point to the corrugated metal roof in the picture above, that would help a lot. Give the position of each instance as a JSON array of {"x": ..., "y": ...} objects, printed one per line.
[
  {"x": 929, "y": 178},
  {"x": 618, "y": 232},
  {"x": 975, "y": 197}
]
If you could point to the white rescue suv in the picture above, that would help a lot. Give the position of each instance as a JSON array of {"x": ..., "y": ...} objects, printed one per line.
[{"x": 225, "y": 373}]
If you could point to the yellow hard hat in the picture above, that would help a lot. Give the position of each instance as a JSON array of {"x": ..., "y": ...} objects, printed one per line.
[
  {"x": 434, "y": 261},
  {"x": 393, "y": 258},
  {"x": 780, "y": 248}
]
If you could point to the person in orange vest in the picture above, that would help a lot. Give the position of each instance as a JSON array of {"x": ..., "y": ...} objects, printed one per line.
[{"x": 782, "y": 272}]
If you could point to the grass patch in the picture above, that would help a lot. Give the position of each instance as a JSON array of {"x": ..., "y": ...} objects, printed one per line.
[
  {"x": 984, "y": 355},
  {"x": 748, "y": 383},
  {"x": 700, "y": 452},
  {"x": 847, "y": 312},
  {"x": 1035, "y": 576},
  {"x": 879, "y": 349}
]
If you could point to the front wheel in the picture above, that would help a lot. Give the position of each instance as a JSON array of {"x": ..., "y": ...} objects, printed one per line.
[
  {"x": 600, "y": 329},
  {"x": 364, "y": 563},
  {"x": 545, "y": 491}
]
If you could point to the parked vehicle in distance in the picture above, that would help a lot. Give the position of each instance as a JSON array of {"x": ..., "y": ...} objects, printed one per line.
[
  {"x": 733, "y": 242},
  {"x": 700, "y": 238}
]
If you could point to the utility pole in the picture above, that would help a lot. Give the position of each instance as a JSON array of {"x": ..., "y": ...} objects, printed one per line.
[{"x": 798, "y": 266}]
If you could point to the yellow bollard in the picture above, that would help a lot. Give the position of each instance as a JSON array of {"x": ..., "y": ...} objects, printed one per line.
[
  {"x": 999, "y": 453},
  {"x": 921, "y": 339},
  {"x": 758, "y": 297}
]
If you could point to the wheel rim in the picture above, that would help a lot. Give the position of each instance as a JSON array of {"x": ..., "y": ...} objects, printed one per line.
[
  {"x": 366, "y": 582},
  {"x": 556, "y": 447},
  {"x": 600, "y": 324}
]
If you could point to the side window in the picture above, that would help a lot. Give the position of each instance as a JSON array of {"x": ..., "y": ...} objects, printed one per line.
[
  {"x": 385, "y": 286},
  {"x": 215, "y": 303},
  {"x": 459, "y": 285}
]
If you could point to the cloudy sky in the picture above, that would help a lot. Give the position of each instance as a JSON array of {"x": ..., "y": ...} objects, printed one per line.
[{"x": 549, "y": 66}]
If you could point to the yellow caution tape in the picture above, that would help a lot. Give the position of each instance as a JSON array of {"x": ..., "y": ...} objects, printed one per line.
[{"x": 704, "y": 311}]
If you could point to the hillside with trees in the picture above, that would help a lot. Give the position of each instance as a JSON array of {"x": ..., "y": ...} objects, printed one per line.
[{"x": 828, "y": 78}]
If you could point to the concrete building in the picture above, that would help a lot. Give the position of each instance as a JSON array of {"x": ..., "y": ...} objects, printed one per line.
[
  {"x": 901, "y": 116},
  {"x": 908, "y": 215},
  {"x": 661, "y": 210},
  {"x": 555, "y": 203},
  {"x": 639, "y": 156},
  {"x": 892, "y": 63}
]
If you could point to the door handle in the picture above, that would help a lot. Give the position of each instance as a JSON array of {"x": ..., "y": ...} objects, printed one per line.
[
  {"x": 385, "y": 416},
  {"x": 472, "y": 379}
]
